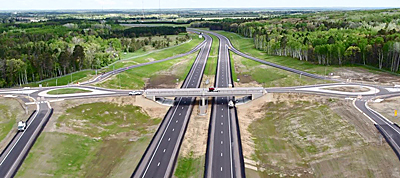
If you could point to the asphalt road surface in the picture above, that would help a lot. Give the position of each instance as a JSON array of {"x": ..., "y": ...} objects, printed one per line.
[
  {"x": 222, "y": 157},
  {"x": 232, "y": 48},
  {"x": 160, "y": 157},
  {"x": 14, "y": 154}
]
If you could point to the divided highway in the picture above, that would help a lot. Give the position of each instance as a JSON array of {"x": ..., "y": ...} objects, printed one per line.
[
  {"x": 160, "y": 157},
  {"x": 232, "y": 48},
  {"x": 223, "y": 157}
]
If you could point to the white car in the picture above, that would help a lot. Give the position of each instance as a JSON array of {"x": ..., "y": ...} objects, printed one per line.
[
  {"x": 231, "y": 104},
  {"x": 135, "y": 93},
  {"x": 21, "y": 126}
]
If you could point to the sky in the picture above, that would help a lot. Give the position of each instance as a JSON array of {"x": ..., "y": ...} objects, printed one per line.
[{"x": 164, "y": 4}]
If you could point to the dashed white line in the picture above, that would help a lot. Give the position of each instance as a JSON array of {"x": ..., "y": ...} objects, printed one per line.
[
  {"x": 158, "y": 164},
  {"x": 164, "y": 150},
  {"x": 169, "y": 139},
  {"x": 173, "y": 130}
]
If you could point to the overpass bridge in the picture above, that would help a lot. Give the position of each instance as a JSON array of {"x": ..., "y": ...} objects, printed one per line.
[{"x": 159, "y": 95}]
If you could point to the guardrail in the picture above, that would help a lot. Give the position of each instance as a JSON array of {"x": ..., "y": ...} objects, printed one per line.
[{"x": 388, "y": 140}]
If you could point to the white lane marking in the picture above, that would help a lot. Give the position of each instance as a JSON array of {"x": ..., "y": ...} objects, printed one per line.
[
  {"x": 180, "y": 113},
  {"x": 176, "y": 121},
  {"x": 182, "y": 107},
  {"x": 222, "y": 115},
  {"x": 158, "y": 164},
  {"x": 222, "y": 123},
  {"x": 222, "y": 142},
  {"x": 221, "y": 168},
  {"x": 222, "y": 132},
  {"x": 173, "y": 130},
  {"x": 34, "y": 117},
  {"x": 222, "y": 109},
  {"x": 164, "y": 150},
  {"x": 221, "y": 154},
  {"x": 162, "y": 136}
]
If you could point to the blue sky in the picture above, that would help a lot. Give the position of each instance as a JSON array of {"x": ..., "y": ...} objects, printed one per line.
[{"x": 153, "y": 4}]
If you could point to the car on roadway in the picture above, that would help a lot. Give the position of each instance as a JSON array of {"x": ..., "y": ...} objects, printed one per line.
[
  {"x": 21, "y": 126},
  {"x": 231, "y": 104},
  {"x": 212, "y": 89},
  {"x": 135, "y": 93}
]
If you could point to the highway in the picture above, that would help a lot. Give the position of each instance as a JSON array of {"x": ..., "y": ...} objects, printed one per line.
[
  {"x": 223, "y": 157},
  {"x": 233, "y": 49},
  {"x": 160, "y": 157},
  {"x": 16, "y": 151},
  {"x": 224, "y": 154}
]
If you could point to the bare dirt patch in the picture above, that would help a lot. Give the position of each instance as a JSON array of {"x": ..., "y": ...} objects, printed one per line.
[
  {"x": 162, "y": 81},
  {"x": 348, "y": 89},
  {"x": 387, "y": 108},
  {"x": 365, "y": 76}
]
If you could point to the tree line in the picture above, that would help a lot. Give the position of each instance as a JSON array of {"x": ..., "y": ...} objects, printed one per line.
[
  {"x": 333, "y": 38},
  {"x": 36, "y": 51}
]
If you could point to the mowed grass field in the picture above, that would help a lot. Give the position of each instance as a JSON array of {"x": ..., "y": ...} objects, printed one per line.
[
  {"x": 92, "y": 140},
  {"x": 136, "y": 78},
  {"x": 67, "y": 91},
  {"x": 249, "y": 71}
]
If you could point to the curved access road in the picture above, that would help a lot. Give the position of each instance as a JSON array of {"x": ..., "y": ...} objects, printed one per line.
[{"x": 232, "y": 48}]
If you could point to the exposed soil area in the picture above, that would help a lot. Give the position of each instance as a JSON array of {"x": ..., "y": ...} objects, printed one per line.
[
  {"x": 366, "y": 76},
  {"x": 348, "y": 89},
  {"x": 162, "y": 81},
  {"x": 311, "y": 136},
  {"x": 387, "y": 108}
]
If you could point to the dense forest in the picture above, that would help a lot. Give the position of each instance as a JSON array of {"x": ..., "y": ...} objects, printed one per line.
[
  {"x": 329, "y": 38},
  {"x": 35, "y": 51}
]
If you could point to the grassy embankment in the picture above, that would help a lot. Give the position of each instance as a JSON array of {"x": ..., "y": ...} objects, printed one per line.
[
  {"x": 10, "y": 112},
  {"x": 91, "y": 140},
  {"x": 136, "y": 57},
  {"x": 67, "y": 91},
  {"x": 136, "y": 78},
  {"x": 249, "y": 71}
]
